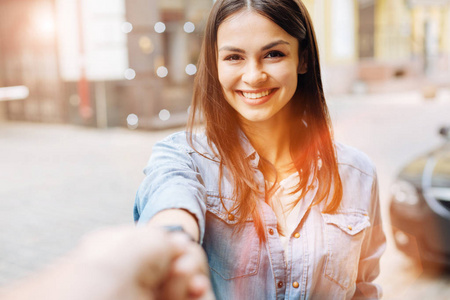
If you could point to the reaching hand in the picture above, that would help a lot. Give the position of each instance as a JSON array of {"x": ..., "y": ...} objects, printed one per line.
[{"x": 124, "y": 263}]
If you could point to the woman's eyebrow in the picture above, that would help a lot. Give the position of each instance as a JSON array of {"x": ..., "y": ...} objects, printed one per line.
[
  {"x": 232, "y": 49},
  {"x": 266, "y": 47},
  {"x": 273, "y": 44}
]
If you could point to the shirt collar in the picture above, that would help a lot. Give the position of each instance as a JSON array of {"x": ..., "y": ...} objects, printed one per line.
[{"x": 249, "y": 152}]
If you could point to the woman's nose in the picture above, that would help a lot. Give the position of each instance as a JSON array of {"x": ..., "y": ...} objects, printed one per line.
[{"x": 254, "y": 74}]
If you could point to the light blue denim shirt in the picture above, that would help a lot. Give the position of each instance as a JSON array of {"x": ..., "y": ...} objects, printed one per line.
[{"x": 331, "y": 256}]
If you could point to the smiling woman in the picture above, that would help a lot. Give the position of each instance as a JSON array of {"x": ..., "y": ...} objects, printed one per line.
[{"x": 281, "y": 209}]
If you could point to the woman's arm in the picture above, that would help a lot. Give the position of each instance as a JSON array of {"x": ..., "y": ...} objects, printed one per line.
[
  {"x": 173, "y": 191},
  {"x": 173, "y": 194},
  {"x": 180, "y": 217}
]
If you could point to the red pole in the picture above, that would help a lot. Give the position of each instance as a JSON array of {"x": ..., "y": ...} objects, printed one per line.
[{"x": 84, "y": 107}]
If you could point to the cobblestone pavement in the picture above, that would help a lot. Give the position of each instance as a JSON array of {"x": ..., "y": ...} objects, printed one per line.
[{"x": 58, "y": 182}]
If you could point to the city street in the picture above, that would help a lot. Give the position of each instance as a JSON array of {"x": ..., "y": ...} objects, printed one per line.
[{"x": 58, "y": 182}]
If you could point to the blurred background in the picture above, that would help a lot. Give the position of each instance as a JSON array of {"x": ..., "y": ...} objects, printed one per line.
[
  {"x": 88, "y": 86},
  {"x": 131, "y": 63}
]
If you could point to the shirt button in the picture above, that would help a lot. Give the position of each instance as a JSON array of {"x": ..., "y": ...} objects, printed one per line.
[
  {"x": 271, "y": 233},
  {"x": 295, "y": 284},
  {"x": 296, "y": 235},
  {"x": 280, "y": 284},
  {"x": 230, "y": 217},
  {"x": 350, "y": 227}
]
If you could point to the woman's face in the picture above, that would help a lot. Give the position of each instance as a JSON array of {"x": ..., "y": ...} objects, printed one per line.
[{"x": 257, "y": 65}]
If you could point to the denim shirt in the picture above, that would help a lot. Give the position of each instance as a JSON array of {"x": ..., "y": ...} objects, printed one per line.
[{"x": 331, "y": 256}]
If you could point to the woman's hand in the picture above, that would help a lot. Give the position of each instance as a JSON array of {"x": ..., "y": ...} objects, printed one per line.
[{"x": 189, "y": 276}]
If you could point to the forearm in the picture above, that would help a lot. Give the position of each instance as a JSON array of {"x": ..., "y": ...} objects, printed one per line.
[
  {"x": 177, "y": 217},
  {"x": 110, "y": 264},
  {"x": 68, "y": 279}
]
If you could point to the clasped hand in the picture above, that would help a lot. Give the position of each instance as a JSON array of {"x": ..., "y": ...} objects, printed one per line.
[{"x": 123, "y": 263}]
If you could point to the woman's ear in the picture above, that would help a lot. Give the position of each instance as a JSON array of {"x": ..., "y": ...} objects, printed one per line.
[{"x": 303, "y": 63}]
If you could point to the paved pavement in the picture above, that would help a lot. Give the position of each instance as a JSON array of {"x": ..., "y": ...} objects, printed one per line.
[{"x": 58, "y": 182}]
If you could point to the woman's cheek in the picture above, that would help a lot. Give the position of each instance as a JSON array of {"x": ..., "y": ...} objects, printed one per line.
[{"x": 227, "y": 76}]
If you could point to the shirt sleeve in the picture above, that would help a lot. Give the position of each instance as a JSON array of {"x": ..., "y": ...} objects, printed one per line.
[
  {"x": 373, "y": 246},
  {"x": 172, "y": 182}
]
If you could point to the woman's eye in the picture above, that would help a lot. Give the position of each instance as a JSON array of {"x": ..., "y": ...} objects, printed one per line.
[
  {"x": 233, "y": 57},
  {"x": 273, "y": 54}
]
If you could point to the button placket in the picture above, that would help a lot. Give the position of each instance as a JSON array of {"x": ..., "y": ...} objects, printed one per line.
[{"x": 275, "y": 249}]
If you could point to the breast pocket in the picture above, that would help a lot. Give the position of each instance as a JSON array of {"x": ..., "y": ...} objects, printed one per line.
[
  {"x": 344, "y": 233},
  {"x": 231, "y": 253}
]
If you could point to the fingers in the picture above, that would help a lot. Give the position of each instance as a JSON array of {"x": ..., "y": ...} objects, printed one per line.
[
  {"x": 157, "y": 263},
  {"x": 189, "y": 277},
  {"x": 200, "y": 288}
]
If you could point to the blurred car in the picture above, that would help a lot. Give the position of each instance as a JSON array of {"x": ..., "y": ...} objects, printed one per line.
[{"x": 420, "y": 206}]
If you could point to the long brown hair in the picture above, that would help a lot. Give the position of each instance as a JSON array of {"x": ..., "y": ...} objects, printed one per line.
[{"x": 312, "y": 148}]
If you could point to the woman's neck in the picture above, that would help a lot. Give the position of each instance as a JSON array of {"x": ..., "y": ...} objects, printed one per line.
[{"x": 271, "y": 139}]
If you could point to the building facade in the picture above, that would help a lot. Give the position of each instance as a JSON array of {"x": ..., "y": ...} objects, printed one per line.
[{"x": 132, "y": 62}]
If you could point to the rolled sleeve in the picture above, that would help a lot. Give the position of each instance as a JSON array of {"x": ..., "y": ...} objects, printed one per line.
[
  {"x": 172, "y": 182},
  {"x": 373, "y": 247}
]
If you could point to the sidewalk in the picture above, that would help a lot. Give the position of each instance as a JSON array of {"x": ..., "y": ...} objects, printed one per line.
[{"x": 58, "y": 182}]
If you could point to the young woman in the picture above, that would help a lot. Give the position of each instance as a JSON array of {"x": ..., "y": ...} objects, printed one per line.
[{"x": 281, "y": 209}]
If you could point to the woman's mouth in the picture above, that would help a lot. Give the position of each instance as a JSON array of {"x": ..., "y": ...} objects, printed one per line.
[
  {"x": 257, "y": 97},
  {"x": 252, "y": 95}
]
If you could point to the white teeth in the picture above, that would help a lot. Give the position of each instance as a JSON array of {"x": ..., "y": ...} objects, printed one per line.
[{"x": 256, "y": 95}]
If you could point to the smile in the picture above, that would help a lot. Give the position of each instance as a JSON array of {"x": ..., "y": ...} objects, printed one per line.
[{"x": 258, "y": 95}]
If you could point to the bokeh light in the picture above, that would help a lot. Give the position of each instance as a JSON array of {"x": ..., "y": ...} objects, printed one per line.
[
  {"x": 127, "y": 27},
  {"x": 164, "y": 114},
  {"x": 191, "y": 69},
  {"x": 132, "y": 121},
  {"x": 160, "y": 27},
  {"x": 189, "y": 27},
  {"x": 74, "y": 100},
  {"x": 130, "y": 74},
  {"x": 146, "y": 45},
  {"x": 162, "y": 72}
]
